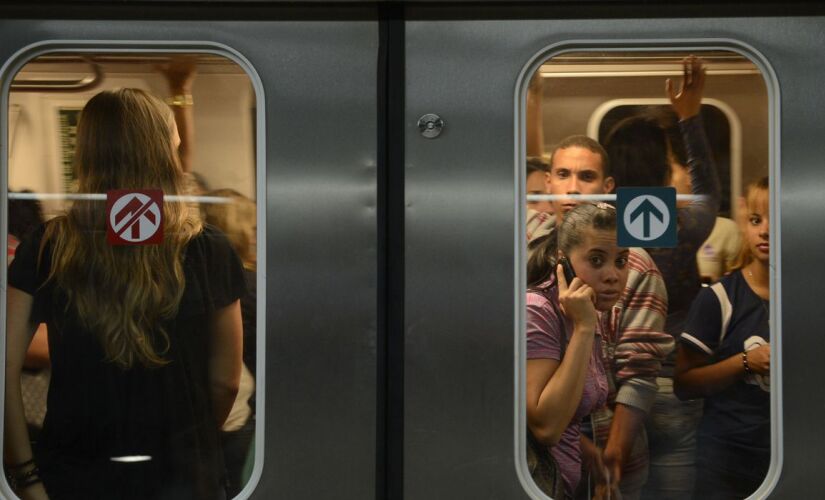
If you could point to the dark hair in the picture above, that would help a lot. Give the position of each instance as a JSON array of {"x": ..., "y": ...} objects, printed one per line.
[
  {"x": 536, "y": 164},
  {"x": 592, "y": 145},
  {"x": 568, "y": 235},
  {"x": 638, "y": 150},
  {"x": 669, "y": 121},
  {"x": 24, "y": 216}
]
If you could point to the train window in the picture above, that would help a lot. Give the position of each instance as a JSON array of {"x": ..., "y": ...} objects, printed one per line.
[
  {"x": 132, "y": 196},
  {"x": 639, "y": 382}
]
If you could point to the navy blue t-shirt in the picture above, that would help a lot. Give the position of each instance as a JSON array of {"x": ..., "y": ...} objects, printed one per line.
[{"x": 736, "y": 420}]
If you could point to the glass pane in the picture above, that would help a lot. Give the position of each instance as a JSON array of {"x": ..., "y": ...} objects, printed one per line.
[
  {"x": 648, "y": 365},
  {"x": 132, "y": 280}
]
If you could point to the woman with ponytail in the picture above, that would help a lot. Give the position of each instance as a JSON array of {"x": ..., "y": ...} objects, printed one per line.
[{"x": 145, "y": 340}]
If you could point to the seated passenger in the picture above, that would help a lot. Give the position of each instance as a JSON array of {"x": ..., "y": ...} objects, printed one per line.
[
  {"x": 565, "y": 375},
  {"x": 726, "y": 359},
  {"x": 145, "y": 340}
]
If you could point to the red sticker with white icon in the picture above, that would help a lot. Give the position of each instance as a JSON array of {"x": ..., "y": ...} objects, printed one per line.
[{"x": 134, "y": 217}]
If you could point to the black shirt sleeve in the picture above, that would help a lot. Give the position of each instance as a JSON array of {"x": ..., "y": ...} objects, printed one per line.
[
  {"x": 225, "y": 271},
  {"x": 24, "y": 272}
]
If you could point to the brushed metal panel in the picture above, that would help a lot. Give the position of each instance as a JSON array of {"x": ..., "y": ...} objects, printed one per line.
[
  {"x": 319, "y": 183},
  {"x": 462, "y": 222}
]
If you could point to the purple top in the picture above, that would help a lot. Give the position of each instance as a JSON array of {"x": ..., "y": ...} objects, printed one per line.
[{"x": 545, "y": 325}]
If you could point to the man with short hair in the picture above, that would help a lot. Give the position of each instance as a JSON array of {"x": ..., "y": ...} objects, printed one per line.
[{"x": 635, "y": 341}]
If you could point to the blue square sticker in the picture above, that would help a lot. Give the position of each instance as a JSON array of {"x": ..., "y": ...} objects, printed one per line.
[{"x": 646, "y": 217}]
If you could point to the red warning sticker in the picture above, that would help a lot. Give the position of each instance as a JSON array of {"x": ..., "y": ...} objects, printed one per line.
[{"x": 134, "y": 217}]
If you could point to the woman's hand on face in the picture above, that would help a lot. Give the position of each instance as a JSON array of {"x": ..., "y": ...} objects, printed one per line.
[
  {"x": 577, "y": 300},
  {"x": 687, "y": 102},
  {"x": 759, "y": 360}
]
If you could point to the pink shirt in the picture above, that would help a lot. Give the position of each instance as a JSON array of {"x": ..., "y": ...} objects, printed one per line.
[{"x": 548, "y": 332}]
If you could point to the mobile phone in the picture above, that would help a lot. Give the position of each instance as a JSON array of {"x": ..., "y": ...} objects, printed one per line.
[{"x": 567, "y": 268}]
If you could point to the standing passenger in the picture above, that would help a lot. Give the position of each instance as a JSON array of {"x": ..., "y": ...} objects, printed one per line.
[
  {"x": 639, "y": 151},
  {"x": 565, "y": 374},
  {"x": 634, "y": 336},
  {"x": 537, "y": 169},
  {"x": 726, "y": 359},
  {"x": 145, "y": 341}
]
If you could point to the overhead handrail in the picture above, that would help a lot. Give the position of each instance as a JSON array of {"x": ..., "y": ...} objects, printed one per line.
[{"x": 88, "y": 82}]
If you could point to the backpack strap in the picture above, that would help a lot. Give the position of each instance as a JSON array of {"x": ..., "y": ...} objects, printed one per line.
[{"x": 725, "y": 305}]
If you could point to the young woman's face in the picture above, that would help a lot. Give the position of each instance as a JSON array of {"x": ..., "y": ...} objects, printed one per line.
[
  {"x": 757, "y": 227},
  {"x": 602, "y": 264}
]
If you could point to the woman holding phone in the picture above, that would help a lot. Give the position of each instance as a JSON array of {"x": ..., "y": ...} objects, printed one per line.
[{"x": 565, "y": 373}]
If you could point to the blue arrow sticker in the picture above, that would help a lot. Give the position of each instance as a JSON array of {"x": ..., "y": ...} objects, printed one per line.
[{"x": 647, "y": 217}]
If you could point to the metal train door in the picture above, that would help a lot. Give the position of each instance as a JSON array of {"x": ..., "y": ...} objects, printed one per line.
[
  {"x": 315, "y": 128},
  {"x": 464, "y": 231}
]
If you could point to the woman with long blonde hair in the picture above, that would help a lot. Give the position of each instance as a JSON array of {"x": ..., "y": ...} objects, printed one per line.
[{"x": 145, "y": 340}]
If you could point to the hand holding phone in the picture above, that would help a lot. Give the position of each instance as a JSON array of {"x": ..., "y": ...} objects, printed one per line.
[{"x": 567, "y": 267}]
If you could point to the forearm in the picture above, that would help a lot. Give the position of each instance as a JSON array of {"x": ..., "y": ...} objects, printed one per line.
[
  {"x": 627, "y": 421},
  {"x": 184, "y": 119},
  {"x": 560, "y": 397},
  {"x": 223, "y": 397},
  {"x": 225, "y": 359},
  {"x": 704, "y": 179},
  {"x": 708, "y": 380},
  {"x": 17, "y": 447}
]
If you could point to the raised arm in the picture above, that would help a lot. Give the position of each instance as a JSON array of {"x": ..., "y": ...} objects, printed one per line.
[
  {"x": 180, "y": 74},
  {"x": 225, "y": 359},
  {"x": 697, "y": 218},
  {"x": 17, "y": 448}
]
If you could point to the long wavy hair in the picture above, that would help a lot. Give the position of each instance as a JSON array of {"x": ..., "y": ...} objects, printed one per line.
[{"x": 123, "y": 294}]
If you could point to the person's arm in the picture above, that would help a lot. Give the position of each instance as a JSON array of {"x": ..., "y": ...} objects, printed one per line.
[
  {"x": 642, "y": 343},
  {"x": 225, "y": 358},
  {"x": 554, "y": 388},
  {"x": 696, "y": 220},
  {"x": 627, "y": 422},
  {"x": 19, "y": 331},
  {"x": 695, "y": 377},
  {"x": 180, "y": 74},
  {"x": 37, "y": 357},
  {"x": 641, "y": 348}
]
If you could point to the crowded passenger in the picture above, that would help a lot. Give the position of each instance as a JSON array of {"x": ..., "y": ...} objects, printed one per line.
[
  {"x": 726, "y": 360},
  {"x": 641, "y": 156},
  {"x": 633, "y": 329},
  {"x": 566, "y": 380},
  {"x": 145, "y": 340},
  {"x": 718, "y": 254},
  {"x": 537, "y": 169}
]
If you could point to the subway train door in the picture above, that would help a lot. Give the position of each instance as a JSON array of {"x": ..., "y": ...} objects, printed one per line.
[
  {"x": 465, "y": 138},
  {"x": 298, "y": 137}
]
